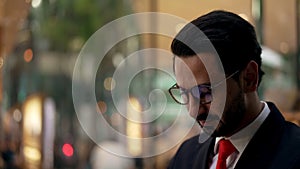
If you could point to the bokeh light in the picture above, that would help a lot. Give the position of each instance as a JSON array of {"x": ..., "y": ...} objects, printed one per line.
[
  {"x": 117, "y": 59},
  {"x": 109, "y": 83},
  {"x": 1, "y": 62},
  {"x": 68, "y": 150},
  {"x": 36, "y": 3},
  {"x": 28, "y": 55},
  {"x": 102, "y": 107}
]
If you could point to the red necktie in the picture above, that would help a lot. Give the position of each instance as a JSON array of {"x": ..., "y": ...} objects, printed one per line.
[{"x": 225, "y": 149}]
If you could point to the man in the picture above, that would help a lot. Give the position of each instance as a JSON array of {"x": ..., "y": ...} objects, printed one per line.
[{"x": 246, "y": 133}]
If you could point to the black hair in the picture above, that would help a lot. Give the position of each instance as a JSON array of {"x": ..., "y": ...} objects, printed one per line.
[{"x": 233, "y": 38}]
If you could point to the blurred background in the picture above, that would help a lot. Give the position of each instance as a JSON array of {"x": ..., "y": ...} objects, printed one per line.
[{"x": 40, "y": 41}]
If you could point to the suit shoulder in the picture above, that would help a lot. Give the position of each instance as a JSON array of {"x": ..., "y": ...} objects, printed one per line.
[
  {"x": 188, "y": 153},
  {"x": 191, "y": 141},
  {"x": 287, "y": 152},
  {"x": 189, "y": 146},
  {"x": 292, "y": 132}
]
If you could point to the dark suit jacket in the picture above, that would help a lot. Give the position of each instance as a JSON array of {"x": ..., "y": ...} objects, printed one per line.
[{"x": 276, "y": 145}]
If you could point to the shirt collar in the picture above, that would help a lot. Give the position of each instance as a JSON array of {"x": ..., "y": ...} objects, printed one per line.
[{"x": 241, "y": 139}]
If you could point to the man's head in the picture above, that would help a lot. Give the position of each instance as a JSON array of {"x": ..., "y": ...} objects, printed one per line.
[{"x": 236, "y": 44}]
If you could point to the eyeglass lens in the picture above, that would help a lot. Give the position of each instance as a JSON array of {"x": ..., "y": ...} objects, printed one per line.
[{"x": 200, "y": 92}]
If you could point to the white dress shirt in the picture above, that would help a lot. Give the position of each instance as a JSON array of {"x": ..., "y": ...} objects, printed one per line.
[{"x": 241, "y": 139}]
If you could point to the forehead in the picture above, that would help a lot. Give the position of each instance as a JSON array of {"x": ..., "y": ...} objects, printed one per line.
[
  {"x": 196, "y": 69},
  {"x": 188, "y": 64}
]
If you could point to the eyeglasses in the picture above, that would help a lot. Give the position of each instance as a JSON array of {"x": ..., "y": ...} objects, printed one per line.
[{"x": 199, "y": 92}]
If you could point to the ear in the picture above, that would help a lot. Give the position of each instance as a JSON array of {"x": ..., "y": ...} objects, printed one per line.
[{"x": 250, "y": 77}]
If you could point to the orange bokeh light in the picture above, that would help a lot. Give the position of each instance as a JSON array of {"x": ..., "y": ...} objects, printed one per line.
[
  {"x": 102, "y": 107},
  {"x": 28, "y": 55}
]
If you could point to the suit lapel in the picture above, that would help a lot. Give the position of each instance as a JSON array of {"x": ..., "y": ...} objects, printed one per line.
[{"x": 261, "y": 148}]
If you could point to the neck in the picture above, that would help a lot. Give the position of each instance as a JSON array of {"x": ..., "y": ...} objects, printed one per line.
[{"x": 253, "y": 108}]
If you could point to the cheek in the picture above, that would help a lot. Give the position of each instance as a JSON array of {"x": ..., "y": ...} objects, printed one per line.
[
  {"x": 228, "y": 101},
  {"x": 222, "y": 100},
  {"x": 235, "y": 104},
  {"x": 219, "y": 101},
  {"x": 234, "y": 95},
  {"x": 192, "y": 108}
]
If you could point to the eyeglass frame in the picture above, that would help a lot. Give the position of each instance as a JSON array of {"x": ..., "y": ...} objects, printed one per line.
[{"x": 188, "y": 91}]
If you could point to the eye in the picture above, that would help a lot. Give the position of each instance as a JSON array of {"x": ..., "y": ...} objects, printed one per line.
[
  {"x": 205, "y": 89},
  {"x": 182, "y": 91},
  {"x": 208, "y": 98}
]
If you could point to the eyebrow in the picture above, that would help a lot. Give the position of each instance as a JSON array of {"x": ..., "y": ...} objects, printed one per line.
[{"x": 203, "y": 84}]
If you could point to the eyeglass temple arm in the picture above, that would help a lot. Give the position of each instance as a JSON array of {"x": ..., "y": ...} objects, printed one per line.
[{"x": 219, "y": 83}]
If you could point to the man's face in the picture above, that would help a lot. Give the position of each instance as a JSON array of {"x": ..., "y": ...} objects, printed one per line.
[{"x": 190, "y": 71}]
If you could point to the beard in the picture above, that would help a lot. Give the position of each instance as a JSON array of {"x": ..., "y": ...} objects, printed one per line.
[
  {"x": 232, "y": 117},
  {"x": 231, "y": 120}
]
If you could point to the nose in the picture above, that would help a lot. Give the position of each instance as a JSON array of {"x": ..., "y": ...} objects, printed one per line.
[{"x": 195, "y": 108}]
